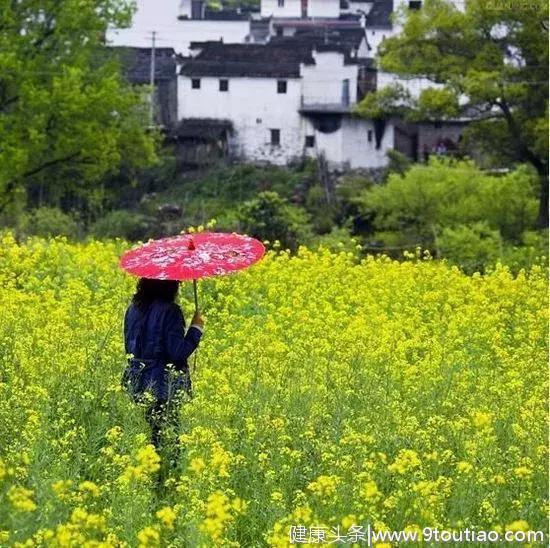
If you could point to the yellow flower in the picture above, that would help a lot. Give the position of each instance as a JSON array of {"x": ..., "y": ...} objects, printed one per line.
[
  {"x": 370, "y": 490},
  {"x": 114, "y": 434},
  {"x": 349, "y": 520},
  {"x": 61, "y": 488},
  {"x": 406, "y": 460},
  {"x": 217, "y": 515},
  {"x": 167, "y": 516},
  {"x": 324, "y": 486},
  {"x": 464, "y": 467},
  {"x": 89, "y": 487},
  {"x": 276, "y": 496},
  {"x": 481, "y": 420},
  {"x": 197, "y": 465},
  {"x": 148, "y": 537},
  {"x": 21, "y": 499},
  {"x": 148, "y": 459},
  {"x": 239, "y": 505},
  {"x": 523, "y": 472},
  {"x": 519, "y": 525}
]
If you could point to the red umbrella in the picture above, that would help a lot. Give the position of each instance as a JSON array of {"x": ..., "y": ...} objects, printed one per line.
[{"x": 192, "y": 256}]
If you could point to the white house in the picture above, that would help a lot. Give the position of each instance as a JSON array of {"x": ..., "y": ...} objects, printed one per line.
[
  {"x": 301, "y": 8},
  {"x": 283, "y": 101},
  {"x": 177, "y": 23},
  {"x": 287, "y": 93}
]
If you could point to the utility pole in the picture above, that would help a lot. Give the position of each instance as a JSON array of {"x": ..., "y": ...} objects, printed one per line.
[{"x": 152, "y": 82}]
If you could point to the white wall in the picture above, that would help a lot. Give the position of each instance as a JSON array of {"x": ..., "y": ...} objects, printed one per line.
[
  {"x": 349, "y": 147},
  {"x": 161, "y": 16},
  {"x": 322, "y": 82},
  {"x": 354, "y": 7},
  {"x": 254, "y": 107},
  {"x": 375, "y": 38},
  {"x": 364, "y": 50},
  {"x": 358, "y": 151},
  {"x": 181, "y": 35},
  {"x": 291, "y": 8},
  {"x": 323, "y": 8}
]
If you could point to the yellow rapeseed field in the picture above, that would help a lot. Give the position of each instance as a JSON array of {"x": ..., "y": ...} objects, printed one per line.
[{"x": 330, "y": 391}]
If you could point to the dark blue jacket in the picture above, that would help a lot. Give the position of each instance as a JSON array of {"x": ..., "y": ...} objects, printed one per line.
[{"x": 156, "y": 337}]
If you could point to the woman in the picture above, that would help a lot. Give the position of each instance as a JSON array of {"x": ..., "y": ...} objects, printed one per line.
[{"x": 154, "y": 333}]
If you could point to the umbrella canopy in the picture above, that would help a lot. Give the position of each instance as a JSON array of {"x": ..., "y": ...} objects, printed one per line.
[{"x": 192, "y": 256}]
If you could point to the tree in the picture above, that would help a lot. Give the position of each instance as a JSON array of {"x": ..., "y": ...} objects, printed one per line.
[
  {"x": 414, "y": 208},
  {"x": 271, "y": 217},
  {"x": 67, "y": 118},
  {"x": 494, "y": 56}
]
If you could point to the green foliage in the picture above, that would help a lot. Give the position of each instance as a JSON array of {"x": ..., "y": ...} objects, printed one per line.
[
  {"x": 219, "y": 192},
  {"x": 473, "y": 52},
  {"x": 470, "y": 246},
  {"x": 388, "y": 101},
  {"x": 322, "y": 213},
  {"x": 532, "y": 251},
  {"x": 398, "y": 162},
  {"x": 271, "y": 217},
  {"x": 123, "y": 224},
  {"x": 447, "y": 193},
  {"x": 68, "y": 117},
  {"x": 48, "y": 222},
  {"x": 338, "y": 239}
]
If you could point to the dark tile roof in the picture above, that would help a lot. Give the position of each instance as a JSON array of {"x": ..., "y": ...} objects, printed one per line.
[
  {"x": 379, "y": 15},
  {"x": 253, "y": 60},
  {"x": 202, "y": 128},
  {"x": 198, "y": 44},
  {"x": 344, "y": 21},
  {"x": 136, "y": 63}
]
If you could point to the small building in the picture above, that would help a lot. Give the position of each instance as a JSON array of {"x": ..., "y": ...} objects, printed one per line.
[
  {"x": 199, "y": 142},
  {"x": 285, "y": 100}
]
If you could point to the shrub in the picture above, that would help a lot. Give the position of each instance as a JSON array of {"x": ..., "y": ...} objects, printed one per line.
[
  {"x": 471, "y": 247},
  {"x": 123, "y": 224},
  {"x": 271, "y": 217},
  {"x": 47, "y": 222}
]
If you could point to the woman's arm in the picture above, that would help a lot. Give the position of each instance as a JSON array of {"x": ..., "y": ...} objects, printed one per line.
[{"x": 179, "y": 346}]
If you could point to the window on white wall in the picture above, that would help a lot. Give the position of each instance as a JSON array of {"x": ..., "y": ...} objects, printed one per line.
[
  {"x": 281, "y": 86},
  {"x": 224, "y": 84},
  {"x": 369, "y": 135},
  {"x": 415, "y": 5},
  {"x": 195, "y": 83},
  {"x": 281, "y": 3},
  {"x": 275, "y": 135},
  {"x": 310, "y": 141}
]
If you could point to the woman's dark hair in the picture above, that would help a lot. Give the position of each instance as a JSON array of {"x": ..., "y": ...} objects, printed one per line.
[{"x": 148, "y": 290}]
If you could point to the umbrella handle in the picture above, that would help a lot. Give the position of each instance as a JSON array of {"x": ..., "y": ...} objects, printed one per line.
[{"x": 195, "y": 295}]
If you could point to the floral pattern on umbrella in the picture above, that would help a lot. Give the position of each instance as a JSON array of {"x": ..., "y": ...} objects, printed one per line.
[{"x": 193, "y": 256}]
